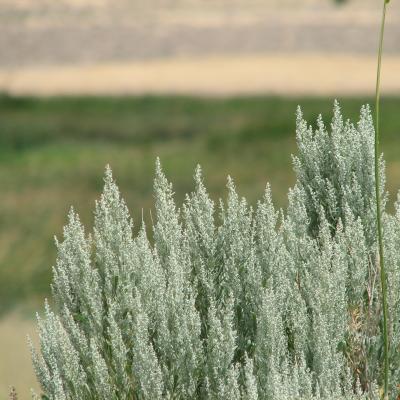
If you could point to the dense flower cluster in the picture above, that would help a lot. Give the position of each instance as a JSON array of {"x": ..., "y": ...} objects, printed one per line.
[{"x": 230, "y": 302}]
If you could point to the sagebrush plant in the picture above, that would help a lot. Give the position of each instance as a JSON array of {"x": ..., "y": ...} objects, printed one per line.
[{"x": 227, "y": 301}]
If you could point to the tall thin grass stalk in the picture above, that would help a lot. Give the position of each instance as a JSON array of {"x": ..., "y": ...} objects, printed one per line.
[{"x": 378, "y": 210}]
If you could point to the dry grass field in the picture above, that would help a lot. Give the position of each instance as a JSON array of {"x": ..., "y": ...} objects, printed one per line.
[{"x": 15, "y": 365}]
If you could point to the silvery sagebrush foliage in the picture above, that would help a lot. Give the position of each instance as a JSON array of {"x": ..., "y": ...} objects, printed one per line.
[{"x": 226, "y": 301}]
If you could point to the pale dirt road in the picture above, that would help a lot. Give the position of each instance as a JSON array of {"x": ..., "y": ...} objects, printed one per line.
[
  {"x": 210, "y": 47},
  {"x": 283, "y": 74}
]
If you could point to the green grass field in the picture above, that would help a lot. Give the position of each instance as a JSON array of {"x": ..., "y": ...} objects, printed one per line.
[{"x": 53, "y": 153}]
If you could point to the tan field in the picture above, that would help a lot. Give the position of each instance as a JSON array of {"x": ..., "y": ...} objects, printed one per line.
[{"x": 283, "y": 74}]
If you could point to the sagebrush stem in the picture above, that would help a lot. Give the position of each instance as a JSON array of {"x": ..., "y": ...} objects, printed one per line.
[{"x": 379, "y": 211}]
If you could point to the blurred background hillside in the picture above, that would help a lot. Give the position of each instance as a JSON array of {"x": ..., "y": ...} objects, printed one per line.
[
  {"x": 218, "y": 46},
  {"x": 84, "y": 83}
]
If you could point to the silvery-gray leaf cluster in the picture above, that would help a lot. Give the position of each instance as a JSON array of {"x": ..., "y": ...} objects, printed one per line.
[{"x": 226, "y": 301}]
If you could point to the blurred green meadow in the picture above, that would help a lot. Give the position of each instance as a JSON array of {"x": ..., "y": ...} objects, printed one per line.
[{"x": 53, "y": 153}]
